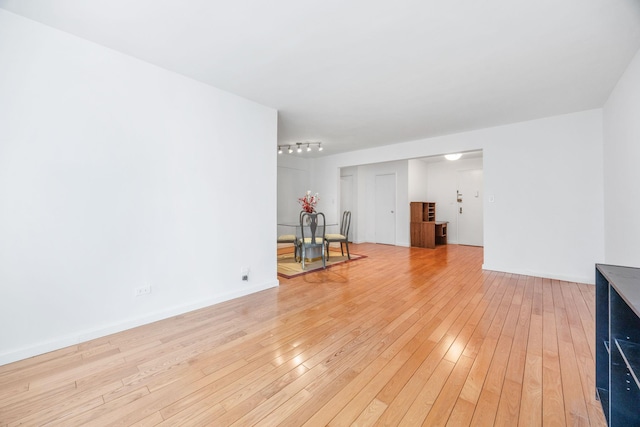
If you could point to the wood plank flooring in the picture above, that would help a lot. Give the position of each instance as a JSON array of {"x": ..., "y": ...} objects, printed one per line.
[{"x": 405, "y": 337}]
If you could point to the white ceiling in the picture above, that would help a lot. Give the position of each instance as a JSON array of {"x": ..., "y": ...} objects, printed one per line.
[{"x": 362, "y": 73}]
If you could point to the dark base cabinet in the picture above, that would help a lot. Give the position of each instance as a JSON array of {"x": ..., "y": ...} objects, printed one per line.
[{"x": 618, "y": 343}]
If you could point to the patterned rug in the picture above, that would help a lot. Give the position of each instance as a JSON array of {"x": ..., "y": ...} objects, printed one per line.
[{"x": 288, "y": 267}]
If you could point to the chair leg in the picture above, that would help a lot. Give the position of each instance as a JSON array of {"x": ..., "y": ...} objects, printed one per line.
[
  {"x": 327, "y": 245},
  {"x": 347, "y": 245},
  {"x": 324, "y": 261},
  {"x": 341, "y": 249}
]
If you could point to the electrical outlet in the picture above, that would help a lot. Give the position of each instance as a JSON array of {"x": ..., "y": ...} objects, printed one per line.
[
  {"x": 244, "y": 272},
  {"x": 142, "y": 290}
]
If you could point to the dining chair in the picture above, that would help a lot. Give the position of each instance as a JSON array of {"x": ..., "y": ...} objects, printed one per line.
[
  {"x": 343, "y": 237},
  {"x": 312, "y": 226},
  {"x": 291, "y": 238}
]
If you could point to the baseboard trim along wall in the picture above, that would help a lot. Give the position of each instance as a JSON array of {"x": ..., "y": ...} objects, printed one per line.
[
  {"x": 87, "y": 335},
  {"x": 544, "y": 275}
]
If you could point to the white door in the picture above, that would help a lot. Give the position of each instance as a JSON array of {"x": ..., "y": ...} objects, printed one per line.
[
  {"x": 347, "y": 202},
  {"x": 470, "y": 222},
  {"x": 385, "y": 209}
]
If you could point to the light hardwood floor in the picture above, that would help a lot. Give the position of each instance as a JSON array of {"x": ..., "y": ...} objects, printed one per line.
[{"x": 407, "y": 336}]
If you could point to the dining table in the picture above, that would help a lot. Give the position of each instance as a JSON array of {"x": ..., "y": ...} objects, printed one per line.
[{"x": 313, "y": 253}]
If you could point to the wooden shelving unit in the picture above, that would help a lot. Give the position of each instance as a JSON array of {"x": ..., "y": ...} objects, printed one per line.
[
  {"x": 618, "y": 343},
  {"x": 423, "y": 211},
  {"x": 425, "y": 231}
]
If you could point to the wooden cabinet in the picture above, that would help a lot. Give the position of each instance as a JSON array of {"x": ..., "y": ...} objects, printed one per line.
[
  {"x": 423, "y": 211},
  {"x": 425, "y": 232},
  {"x": 618, "y": 343}
]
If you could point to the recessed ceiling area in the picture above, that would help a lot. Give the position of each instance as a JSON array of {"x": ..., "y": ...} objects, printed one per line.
[
  {"x": 465, "y": 155},
  {"x": 361, "y": 74}
]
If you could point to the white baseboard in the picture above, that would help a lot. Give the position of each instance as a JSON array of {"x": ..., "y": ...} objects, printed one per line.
[
  {"x": 545, "y": 275},
  {"x": 89, "y": 334}
]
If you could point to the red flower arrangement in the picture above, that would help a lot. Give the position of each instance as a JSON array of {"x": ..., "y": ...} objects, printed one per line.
[{"x": 309, "y": 202}]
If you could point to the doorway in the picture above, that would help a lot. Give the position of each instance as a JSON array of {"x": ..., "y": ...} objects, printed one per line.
[{"x": 385, "y": 209}]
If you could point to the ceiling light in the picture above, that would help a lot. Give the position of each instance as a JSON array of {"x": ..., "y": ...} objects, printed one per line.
[
  {"x": 299, "y": 145},
  {"x": 455, "y": 156}
]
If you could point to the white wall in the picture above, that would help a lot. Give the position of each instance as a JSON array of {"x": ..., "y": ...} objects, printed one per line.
[
  {"x": 351, "y": 204},
  {"x": 622, "y": 169},
  {"x": 418, "y": 181},
  {"x": 115, "y": 174},
  {"x": 293, "y": 183},
  {"x": 546, "y": 178}
]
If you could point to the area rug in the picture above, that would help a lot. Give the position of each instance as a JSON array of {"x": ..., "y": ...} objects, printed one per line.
[{"x": 289, "y": 268}]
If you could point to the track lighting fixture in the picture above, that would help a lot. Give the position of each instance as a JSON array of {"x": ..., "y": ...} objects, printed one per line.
[{"x": 298, "y": 147}]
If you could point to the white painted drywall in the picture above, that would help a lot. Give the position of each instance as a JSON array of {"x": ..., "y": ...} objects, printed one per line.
[
  {"x": 293, "y": 183},
  {"x": 546, "y": 179},
  {"x": 115, "y": 174},
  {"x": 353, "y": 228},
  {"x": 418, "y": 178},
  {"x": 622, "y": 169}
]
